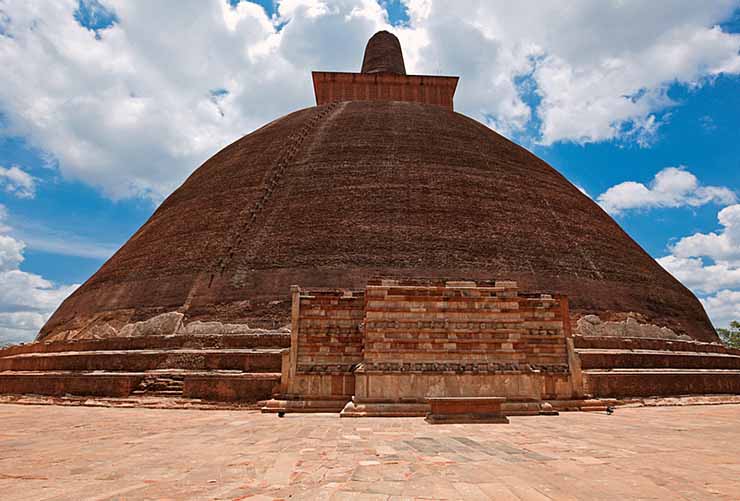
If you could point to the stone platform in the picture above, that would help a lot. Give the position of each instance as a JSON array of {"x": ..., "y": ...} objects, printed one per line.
[
  {"x": 224, "y": 368},
  {"x": 385, "y": 349},
  {"x": 59, "y": 453},
  {"x": 615, "y": 367}
]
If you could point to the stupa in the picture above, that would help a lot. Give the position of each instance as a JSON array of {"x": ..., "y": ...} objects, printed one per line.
[{"x": 382, "y": 178}]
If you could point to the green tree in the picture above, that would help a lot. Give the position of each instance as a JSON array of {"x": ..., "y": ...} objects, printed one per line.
[{"x": 731, "y": 336}]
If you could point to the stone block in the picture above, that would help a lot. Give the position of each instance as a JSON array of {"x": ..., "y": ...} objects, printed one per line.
[{"x": 453, "y": 410}]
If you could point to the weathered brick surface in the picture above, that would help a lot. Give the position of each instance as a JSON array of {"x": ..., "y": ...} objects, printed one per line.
[
  {"x": 417, "y": 326},
  {"x": 606, "y": 384},
  {"x": 104, "y": 385},
  {"x": 618, "y": 343},
  {"x": 262, "y": 340},
  {"x": 412, "y": 327},
  {"x": 140, "y": 360},
  {"x": 330, "y": 337},
  {"x": 613, "y": 359},
  {"x": 383, "y": 54},
  {"x": 332, "y": 87},
  {"x": 376, "y": 187},
  {"x": 336, "y": 194},
  {"x": 228, "y": 388}
]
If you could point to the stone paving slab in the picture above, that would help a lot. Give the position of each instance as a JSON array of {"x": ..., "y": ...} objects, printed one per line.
[{"x": 90, "y": 453}]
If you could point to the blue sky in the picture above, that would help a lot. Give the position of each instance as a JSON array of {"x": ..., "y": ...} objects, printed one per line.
[
  {"x": 83, "y": 207},
  {"x": 701, "y": 134}
]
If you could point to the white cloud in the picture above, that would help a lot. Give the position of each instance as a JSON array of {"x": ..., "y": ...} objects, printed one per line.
[
  {"x": 135, "y": 107},
  {"x": 3, "y": 218},
  {"x": 10, "y": 334},
  {"x": 723, "y": 246},
  {"x": 671, "y": 187},
  {"x": 30, "y": 234},
  {"x": 700, "y": 277},
  {"x": 710, "y": 263},
  {"x": 17, "y": 182},
  {"x": 68, "y": 244},
  {"x": 26, "y": 299},
  {"x": 601, "y": 69},
  {"x": 723, "y": 307},
  {"x": 11, "y": 253}
]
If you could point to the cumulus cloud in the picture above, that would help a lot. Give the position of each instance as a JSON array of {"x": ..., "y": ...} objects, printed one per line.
[
  {"x": 26, "y": 299},
  {"x": 671, "y": 187},
  {"x": 701, "y": 277},
  {"x": 134, "y": 106},
  {"x": 17, "y": 182},
  {"x": 130, "y": 103},
  {"x": 709, "y": 263},
  {"x": 723, "y": 307},
  {"x": 601, "y": 69},
  {"x": 11, "y": 253},
  {"x": 722, "y": 246},
  {"x": 4, "y": 228}
]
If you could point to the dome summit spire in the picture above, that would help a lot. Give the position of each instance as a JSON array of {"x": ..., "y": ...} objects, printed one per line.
[
  {"x": 383, "y": 78},
  {"x": 383, "y": 55}
]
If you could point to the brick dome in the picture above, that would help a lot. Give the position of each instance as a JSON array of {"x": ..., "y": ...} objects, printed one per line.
[{"x": 333, "y": 195}]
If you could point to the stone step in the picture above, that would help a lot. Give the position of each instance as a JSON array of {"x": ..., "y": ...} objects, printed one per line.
[
  {"x": 161, "y": 385},
  {"x": 627, "y": 343},
  {"x": 205, "y": 385},
  {"x": 159, "y": 388},
  {"x": 266, "y": 339},
  {"x": 625, "y": 383},
  {"x": 159, "y": 393},
  {"x": 247, "y": 360},
  {"x": 594, "y": 408},
  {"x": 655, "y": 359}
]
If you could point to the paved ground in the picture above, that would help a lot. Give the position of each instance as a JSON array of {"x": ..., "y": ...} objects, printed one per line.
[{"x": 80, "y": 453}]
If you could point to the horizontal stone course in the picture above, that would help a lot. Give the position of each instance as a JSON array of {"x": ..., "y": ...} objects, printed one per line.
[
  {"x": 650, "y": 344},
  {"x": 417, "y": 322},
  {"x": 59, "y": 384},
  {"x": 336, "y": 86},
  {"x": 262, "y": 340},
  {"x": 329, "y": 327},
  {"x": 652, "y": 382},
  {"x": 610, "y": 359},
  {"x": 408, "y": 323},
  {"x": 472, "y": 367},
  {"x": 226, "y": 388},
  {"x": 245, "y": 387},
  {"x": 143, "y": 360}
]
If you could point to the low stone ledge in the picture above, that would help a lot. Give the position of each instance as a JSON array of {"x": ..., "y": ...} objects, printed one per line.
[
  {"x": 257, "y": 360},
  {"x": 633, "y": 343},
  {"x": 59, "y": 384},
  {"x": 637, "y": 359},
  {"x": 281, "y": 405},
  {"x": 267, "y": 339},
  {"x": 667, "y": 382},
  {"x": 231, "y": 388},
  {"x": 454, "y": 410},
  {"x": 360, "y": 408}
]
